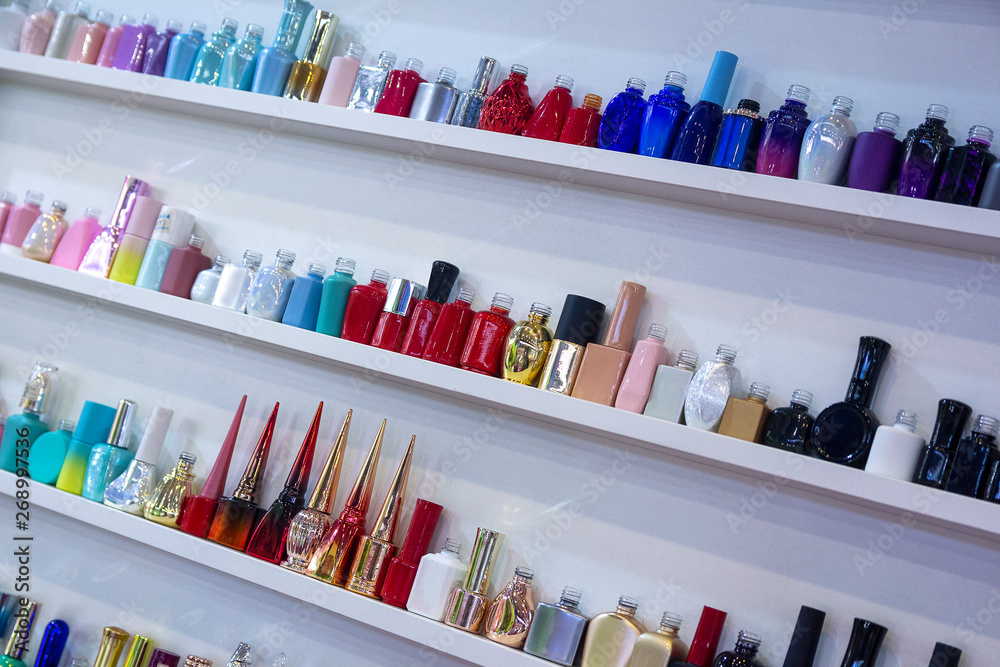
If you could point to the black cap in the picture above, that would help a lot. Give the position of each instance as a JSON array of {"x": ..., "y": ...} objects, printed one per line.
[
  {"x": 749, "y": 105},
  {"x": 805, "y": 638},
  {"x": 580, "y": 321},
  {"x": 443, "y": 277},
  {"x": 945, "y": 656},
  {"x": 950, "y": 424}
]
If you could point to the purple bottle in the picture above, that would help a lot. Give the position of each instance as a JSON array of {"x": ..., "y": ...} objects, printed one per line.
[
  {"x": 783, "y": 132},
  {"x": 875, "y": 160},
  {"x": 157, "y": 47},
  {"x": 965, "y": 169},
  {"x": 132, "y": 47},
  {"x": 923, "y": 155}
]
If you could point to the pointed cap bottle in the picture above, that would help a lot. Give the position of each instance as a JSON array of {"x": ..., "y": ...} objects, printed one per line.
[
  {"x": 254, "y": 473},
  {"x": 326, "y": 486}
]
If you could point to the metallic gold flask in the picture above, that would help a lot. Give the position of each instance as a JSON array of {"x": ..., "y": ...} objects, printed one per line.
[
  {"x": 661, "y": 646},
  {"x": 527, "y": 347},
  {"x": 611, "y": 636}
]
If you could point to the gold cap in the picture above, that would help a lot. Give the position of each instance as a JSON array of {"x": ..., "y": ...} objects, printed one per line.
[
  {"x": 321, "y": 40},
  {"x": 254, "y": 473},
  {"x": 385, "y": 525},
  {"x": 137, "y": 651},
  {"x": 23, "y": 619},
  {"x": 484, "y": 555},
  {"x": 369, "y": 568},
  {"x": 361, "y": 494},
  {"x": 326, "y": 485},
  {"x": 112, "y": 642}
]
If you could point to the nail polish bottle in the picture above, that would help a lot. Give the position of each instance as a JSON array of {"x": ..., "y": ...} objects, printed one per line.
[
  {"x": 374, "y": 551},
  {"x": 466, "y": 607},
  {"x": 790, "y": 428},
  {"x": 89, "y": 39},
  {"x": 138, "y": 652},
  {"x": 784, "y": 129},
  {"x": 484, "y": 344},
  {"x": 206, "y": 283},
  {"x": 74, "y": 243},
  {"x": 973, "y": 459},
  {"x": 135, "y": 240},
  {"x": 549, "y": 117},
  {"x": 557, "y": 629},
  {"x": 131, "y": 50},
  {"x": 436, "y": 577},
  {"x": 184, "y": 266},
  {"x": 21, "y": 431},
  {"x": 451, "y": 328},
  {"x": 64, "y": 30},
  {"x": 435, "y": 102},
  {"x": 8, "y": 201},
  {"x": 332, "y": 558},
  {"x": 240, "y": 61},
  {"x": 304, "y": 299},
  {"x": 112, "y": 38},
  {"x": 650, "y": 353},
  {"x": 109, "y": 460},
  {"x": 990, "y": 197},
  {"x": 173, "y": 229},
  {"x": 670, "y": 385},
  {"x": 710, "y": 389},
  {"x": 611, "y": 636},
  {"x": 154, "y": 61},
  {"x": 875, "y": 158},
  {"x": 579, "y": 324},
  {"x": 400, "y": 89},
  {"x": 12, "y": 20},
  {"x": 164, "y": 504},
  {"x": 739, "y": 137},
  {"x": 508, "y": 109},
  {"x": 112, "y": 644},
  {"x": 341, "y": 76},
  {"x": 93, "y": 428},
  {"x": 706, "y": 639},
  {"x": 336, "y": 288},
  {"x": 162, "y": 658},
  {"x": 19, "y": 641},
  {"x": 744, "y": 418},
  {"x": 743, "y": 655},
  {"x": 235, "y": 281},
  {"x": 402, "y": 569},
  {"x": 527, "y": 346},
  {"x": 310, "y": 524},
  {"x": 945, "y": 656},
  {"x": 305, "y": 80},
  {"x": 935, "y": 460},
  {"x": 101, "y": 254},
  {"x": 923, "y": 155},
  {"x": 660, "y": 647},
  {"x": 843, "y": 432},
  {"x": 583, "y": 122},
  {"x": 827, "y": 145},
  {"x": 208, "y": 63},
  {"x": 697, "y": 134},
  {"x": 662, "y": 118},
  {"x": 45, "y": 233},
  {"x": 184, "y": 49},
  {"x": 48, "y": 453},
  {"x": 965, "y": 168},
  {"x": 53, "y": 643},
  {"x": 129, "y": 491},
  {"x": 364, "y": 305},
  {"x": 19, "y": 222},
  {"x": 401, "y": 299},
  {"x": 38, "y": 28},
  {"x": 370, "y": 83},
  {"x": 510, "y": 614},
  {"x": 896, "y": 449},
  {"x": 426, "y": 312},
  {"x": 242, "y": 656},
  {"x": 268, "y": 539},
  {"x": 805, "y": 638},
  {"x": 619, "y": 129},
  {"x": 864, "y": 645},
  {"x": 469, "y": 106},
  {"x": 603, "y": 366},
  {"x": 234, "y": 517},
  {"x": 274, "y": 63}
]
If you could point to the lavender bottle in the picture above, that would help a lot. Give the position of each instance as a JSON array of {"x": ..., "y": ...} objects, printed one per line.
[
  {"x": 923, "y": 155},
  {"x": 965, "y": 169},
  {"x": 783, "y": 132},
  {"x": 875, "y": 160}
]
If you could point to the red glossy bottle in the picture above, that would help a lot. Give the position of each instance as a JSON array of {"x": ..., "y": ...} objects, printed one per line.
[
  {"x": 508, "y": 109},
  {"x": 487, "y": 335},
  {"x": 402, "y": 569},
  {"x": 183, "y": 267},
  {"x": 550, "y": 116},
  {"x": 364, "y": 304},
  {"x": 447, "y": 340},
  {"x": 582, "y": 123},
  {"x": 400, "y": 87},
  {"x": 443, "y": 277},
  {"x": 395, "y": 318}
]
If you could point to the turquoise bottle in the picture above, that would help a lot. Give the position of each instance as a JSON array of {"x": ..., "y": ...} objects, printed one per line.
[
  {"x": 274, "y": 63},
  {"x": 336, "y": 288},
  {"x": 208, "y": 65},
  {"x": 302, "y": 310},
  {"x": 49, "y": 452},
  {"x": 92, "y": 428},
  {"x": 110, "y": 460},
  {"x": 22, "y": 430},
  {"x": 183, "y": 51},
  {"x": 241, "y": 60}
]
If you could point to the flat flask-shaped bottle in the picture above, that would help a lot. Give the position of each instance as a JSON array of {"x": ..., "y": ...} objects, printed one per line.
[
  {"x": 165, "y": 502},
  {"x": 923, "y": 154},
  {"x": 438, "y": 574},
  {"x": 512, "y": 610},
  {"x": 790, "y": 428},
  {"x": 303, "y": 302},
  {"x": 781, "y": 142},
  {"x": 45, "y": 234},
  {"x": 670, "y": 385},
  {"x": 235, "y": 281},
  {"x": 935, "y": 462},
  {"x": 484, "y": 345},
  {"x": 508, "y": 109},
  {"x": 745, "y": 418},
  {"x": 557, "y": 629},
  {"x": 183, "y": 268},
  {"x": 896, "y": 449},
  {"x": 611, "y": 636},
  {"x": 363, "y": 308},
  {"x": 964, "y": 172},
  {"x": 744, "y": 654},
  {"x": 827, "y": 145},
  {"x": 875, "y": 158},
  {"x": 444, "y": 345},
  {"x": 77, "y": 239},
  {"x": 526, "y": 347},
  {"x": 370, "y": 82},
  {"x": 271, "y": 288},
  {"x": 619, "y": 130},
  {"x": 710, "y": 390},
  {"x": 661, "y": 119},
  {"x": 435, "y": 101},
  {"x": 660, "y": 647},
  {"x": 207, "y": 282}
]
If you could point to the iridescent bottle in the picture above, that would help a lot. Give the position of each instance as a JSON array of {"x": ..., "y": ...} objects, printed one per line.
[
  {"x": 660, "y": 647},
  {"x": 235, "y": 281},
  {"x": 508, "y": 109},
  {"x": 509, "y": 616},
  {"x": 208, "y": 65},
  {"x": 207, "y": 282},
  {"x": 781, "y": 142},
  {"x": 45, "y": 234},
  {"x": 662, "y": 118},
  {"x": 557, "y": 629},
  {"x": 271, "y": 288},
  {"x": 923, "y": 155},
  {"x": 965, "y": 169},
  {"x": 743, "y": 655},
  {"x": 790, "y": 428},
  {"x": 527, "y": 346},
  {"x": 164, "y": 504},
  {"x": 240, "y": 61},
  {"x": 611, "y": 636},
  {"x": 710, "y": 390},
  {"x": 619, "y": 130},
  {"x": 827, "y": 145}
]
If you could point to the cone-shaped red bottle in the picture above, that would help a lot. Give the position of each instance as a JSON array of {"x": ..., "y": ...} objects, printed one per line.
[
  {"x": 402, "y": 569},
  {"x": 268, "y": 539},
  {"x": 509, "y": 107},
  {"x": 550, "y": 116}
]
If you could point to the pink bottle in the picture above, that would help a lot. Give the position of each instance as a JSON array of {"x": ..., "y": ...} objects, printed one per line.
[
  {"x": 38, "y": 28},
  {"x": 649, "y": 354},
  {"x": 341, "y": 75},
  {"x": 70, "y": 251},
  {"x": 184, "y": 266},
  {"x": 89, "y": 39},
  {"x": 8, "y": 201},
  {"x": 109, "y": 49},
  {"x": 19, "y": 222},
  {"x": 132, "y": 44}
]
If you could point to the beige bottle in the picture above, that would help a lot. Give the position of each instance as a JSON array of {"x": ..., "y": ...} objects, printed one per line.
[
  {"x": 611, "y": 636},
  {"x": 745, "y": 418},
  {"x": 660, "y": 647}
]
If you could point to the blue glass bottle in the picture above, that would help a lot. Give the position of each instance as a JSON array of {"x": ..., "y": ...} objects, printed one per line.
[
  {"x": 781, "y": 142},
  {"x": 965, "y": 169},
  {"x": 109, "y": 460},
  {"x": 303, "y": 303},
  {"x": 22, "y": 430},
  {"x": 619, "y": 130},
  {"x": 183, "y": 51},
  {"x": 241, "y": 60},
  {"x": 336, "y": 288},
  {"x": 274, "y": 63},
  {"x": 208, "y": 64},
  {"x": 973, "y": 459},
  {"x": 268, "y": 295},
  {"x": 665, "y": 111},
  {"x": 739, "y": 137},
  {"x": 924, "y": 150},
  {"x": 697, "y": 135}
]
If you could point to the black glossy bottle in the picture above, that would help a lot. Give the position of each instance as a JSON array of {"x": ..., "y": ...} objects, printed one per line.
[
  {"x": 945, "y": 656},
  {"x": 843, "y": 432},
  {"x": 965, "y": 167},
  {"x": 805, "y": 638},
  {"x": 790, "y": 428},
  {"x": 936, "y": 460},
  {"x": 974, "y": 458},
  {"x": 924, "y": 150},
  {"x": 745, "y": 653},
  {"x": 865, "y": 643}
]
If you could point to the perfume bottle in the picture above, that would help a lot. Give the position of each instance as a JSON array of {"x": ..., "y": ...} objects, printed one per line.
[
  {"x": 896, "y": 449},
  {"x": 268, "y": 539},
  {"x": 19, "y": 641},
  {"x": 268, "y": 295},
  {"x": 710, "y": 390},
  {"x": 990, "y": 197},
  {"x": 583, "y": 122},
  {"x": 129, "y": 491},
  {"x": 154, "y": 61},
  {"x": 402, "y": 569},
  {"x": 173, "y": 229},
  {"x": 12, "y": 20},
  {"x": 843, "y": 432},
  {"x": 93, "y": 428},
  {"x": 805, "y": 638},
  {"x": 696, "y": 136},
  {"x": 973, "y": 459},
  {"x": 164, "y": 504},
  {"x": 109, "y": 49},
  {"x": 19, "y": 223},
  {"x": 436, "y": 577},
  {"x": 451, "y": 328},
  {"x": 52, "y": 645},
  {"x": 662, "y": 118},
  {"x": 305, "y": 80},
  {"x": 619, "y": 130},
  {"x": 303, "y": 301},
  {"x": 138, "y": 652},
  {"x": 864, "y": 645},
  {"x": 467, "y": 603},
  {"x": 425, "y": 313},
  {"x": 549, "y": 117},
  {"x": 744, "y": 418},
  {"x": 923, "y": 155},
  {"x": 240, "y": 61},
  {"x": 650, "y": 353},
  {"x": 400, "y": 89},
  {"x": 790, "y": 428},
  {"x": 132, "y": 44},
  {"x": 670, "y": 385},
  {"x": 45, "y": 233},
  {"x": 364, "y": 304},
  {"x": 827, "y": 145},
  {"x": 965, "y": 168},
  {"x": 469, "y": 106},
  {"x": 112, "y": 644},
  {"x": 64, "y": 30},
  {"x": 235, "y": 281},
  {"x": 135, "y": 240},
  {"x": 509, "y": 107},
  {"x": 402, "y": 297},
  {"x": 274, "y": 63},
  {"x": 184, "y": 49},
  {"x": 109, "y": 460},
  {"x": 48, "y": 453},
  {"x": 341, "y": 76},
  {"x": 705, "y": 643},
  {"x": 435, "y": 102},
  {"x": 579, "y": 324},
  {"x": 184, "y": 266},
  {"x": 739, "y": 137},
  {"x": 935, "y": 460},
  {"x": 101, "y": 254},
  {"x": 89, "y": 39},
  {"x": 527, "y": 346},
  {"x": 21, "y": 431},
  {"x": 611, "y": 636},
  {"x": 38, "y": 28},
  {"x": 370, "y": 83},
  {"x": 660, "y": 647},
  {"x": 206, "y": 283},
  {"x": 336, "y": 288},
  {"x": 743, "y": 655},
  {"x": 557, "y": 629},
  {"x": 784, "y": 129},
  {"x": 512, "y": 610},
  {"x": 483, "y": 351},
  {"x": 875, "y": 159}
]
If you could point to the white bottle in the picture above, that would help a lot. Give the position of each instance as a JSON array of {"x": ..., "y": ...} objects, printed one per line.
[
  {"x": 234, "y": 283},
  {"x": 65, "y": 29},
  {"x": 11, "y": 22},
  {"x": 207, "y": 282},
  {"x": 896, "y": 449},
  {"x": 437, "y": 576},
  {"x": 827, "y": 145},
  {"x": 666, "y": 399}
]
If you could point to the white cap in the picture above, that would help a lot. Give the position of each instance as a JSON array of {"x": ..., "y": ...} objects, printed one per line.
[
  {"x": 173, "y": 226},
  {"x": 153, "y": 436}
]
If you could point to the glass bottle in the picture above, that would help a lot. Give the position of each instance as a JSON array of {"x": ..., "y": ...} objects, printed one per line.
[
  {"x": 437, "y": 576},
  {"x": 663, "y": 116},
  {"x": 402, "y": 568},
  {"x": 790, "y": 428},
  {"x": 19, "y": 222},
  {"x": 271, "y": 288},
  {"x": 583, "y": 122},
  {"x": 164, "y": 504},
  {"x": 132, "y": 45},
  {"x": 129, "y": 491},
  {"x": 526, "y": 347},
  {"x": 923, "y": 155},
  {"x": 965, "y": 169},
  {"x": 207, "y": 282},
  {"x": 64, "y": 30},
  {"x": 240, "y": 61},
  {"x": 394, "y": 321},
  {"x": 660, "y": 647},
  {"x": 864, "y": 645},
  {"x": 549, "y": 117},
  {"x": 303, "y": 303},
  {"x": 698, "y": 133},
  {"x": 973, "y": 459},
  {"x": 208, "y": 64},
  {"x": 435, "y": 102},
  {"x": 484, "y": 344},
  {"x": 990, "y": 197},
  {"x": 370, "y": 83},
  {"x": 184, "y": 49},
  {"x": 670, "y": 385},
  {"x": 875, "y": 159},
  {"x": 341, "y": 76},
  {"x": 508, "y": 109},
  {"x": 509, "y": 616},
  {"x": 743, "y": 655},
  {"x": 579, "y": 325},
  {"x": 935, "y": 462},
  {"x": 649, "y": 354},
  {"x": 470, "y": 104},
  {"x": 305, "y": 80},
  {"x": 235, "y": 281},
  {"x": 38, "y": 28},
  {"x": 74, "y": 243},
  {"x": 242, "y": 656},
  {"x": 364, "y": 304},
  {"x": 896, "y": 449},
  {"x": 611, "y": 636},
  {"x": 12, "y": 20},
  {"x": 48, "y": 452},
  {"x": 45, "y": 234},
  {"x": 109, "y": 48},
  {"x": 619, "y": 130},
  {"x": 739, "y": 137},
  {"x": 336, "y": 288},
  {"x": 274, "y": 63},
  {"x": 52, "y": 645},
  {"x": 827, "y": 145},
  {"x": 781, "y": 142},
  {"x": 467, "y": 603},
  {"x": 184, "y": 266},
  {"x": 447, "y": 339},
  {"x": 710, "y": 389},
  {"x": 21, "y": 431},
  {"x": 400, "y": 89},
  {"x": 154, "y": 61},
  {"x": 89, "y": 39},
  {"x": 557, "y": 629},
  {"x": 744, "y": 418},
  {"x": 163, "y": 658},
  {"x": 108, "y": 461},
  {"x": 425, "y": 314},
  {"x": 945, "y": 656},
  {"x": 8, "y": 202}
]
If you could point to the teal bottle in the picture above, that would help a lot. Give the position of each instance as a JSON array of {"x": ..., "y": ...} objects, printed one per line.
[
  {"x": 183, "y": 51},
  {"x": 274, "y": 63},
  {"x": 22, "y": 430},
  {"x": 241, "y": 60},
  {"x": 92, "y": 428},
  {"x": 109, "y": 460},
  {"x": 48, "y": 453},
  {"x": 208, "y": 65},
  {"x": 302, "y": 310},
  {"x": 336, "y": 288}
]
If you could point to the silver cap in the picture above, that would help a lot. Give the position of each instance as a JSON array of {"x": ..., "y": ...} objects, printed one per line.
[
  {"x": 121, "y": 428},
  {"x": 403, "y": 296}
]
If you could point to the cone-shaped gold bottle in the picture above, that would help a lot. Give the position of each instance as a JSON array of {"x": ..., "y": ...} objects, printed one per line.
[
  {"x": 164, "y": 505},
  {"x": 112, "y": 642}
]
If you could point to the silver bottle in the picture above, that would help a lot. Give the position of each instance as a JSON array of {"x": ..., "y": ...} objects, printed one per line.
[
  {"x": 470, "y": 104},
  {"x": 436, "y": 101},
  {"x": 557, "y": 629},
  {"x": 370, "y": 83},
  {"x": 235, "y": 281},
  {"x": 271, "y": 288},
  {"x": 207, "y": 282},
  {"x": 710, "y": 389},
  {"x": 827, "y": 145}
]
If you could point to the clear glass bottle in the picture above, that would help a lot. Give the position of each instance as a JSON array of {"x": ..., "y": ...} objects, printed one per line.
[
  {"x": 28, "y": 425},
  {"x": 164, "y": 504},
  {"x": 743, "y": 655},
  {"x": 827, "y": 145},
  {"x": 208, "y": 65},
  {"x": 745, "y": 418},
  {"x": 370, "y": 83},
  {"x": 470, "y": 104},
  {"x": 437, "y": 576},
  {"x": 271, "y": 288},
  {"x": 660, "y": 647},
  {"x": 109, "y": 460},
  {"x": 235, "y": 281},
  {"x": 670, "y": 385},
  {"x": 557, "y": 629},
  {"x": 611, "y": 636},
  {"x": 207, "y": 282},
  {"x": 790, "y": 428},
  {"x": 45, "y": 234},
  {"x": 896, "y": 449},
  {"x": 965, "y": 168},
  {"x": 129, "y": 491},
  {"x": 510, "y": 615},
  {"x": 240, "y": 61},
  {"x": 526, "y": 347},
  {"x": 710, "y": 390}
]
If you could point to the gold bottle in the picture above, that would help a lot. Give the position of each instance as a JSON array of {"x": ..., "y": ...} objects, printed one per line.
[
  {"x": 138, "y": 651},
  {"x": 305, "y": 82},
  {"x": 164, "y": 504},
  {"x": 527, "y": 347},
  {"x": 660, "y": 647},
  {"x": 510, "y": 615},
  {"x": 745, "y": 418},
  {"x": 611, "y": 636},
  {"x": 468, "y": 603},
  {"x": 112, "y": 642}
]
